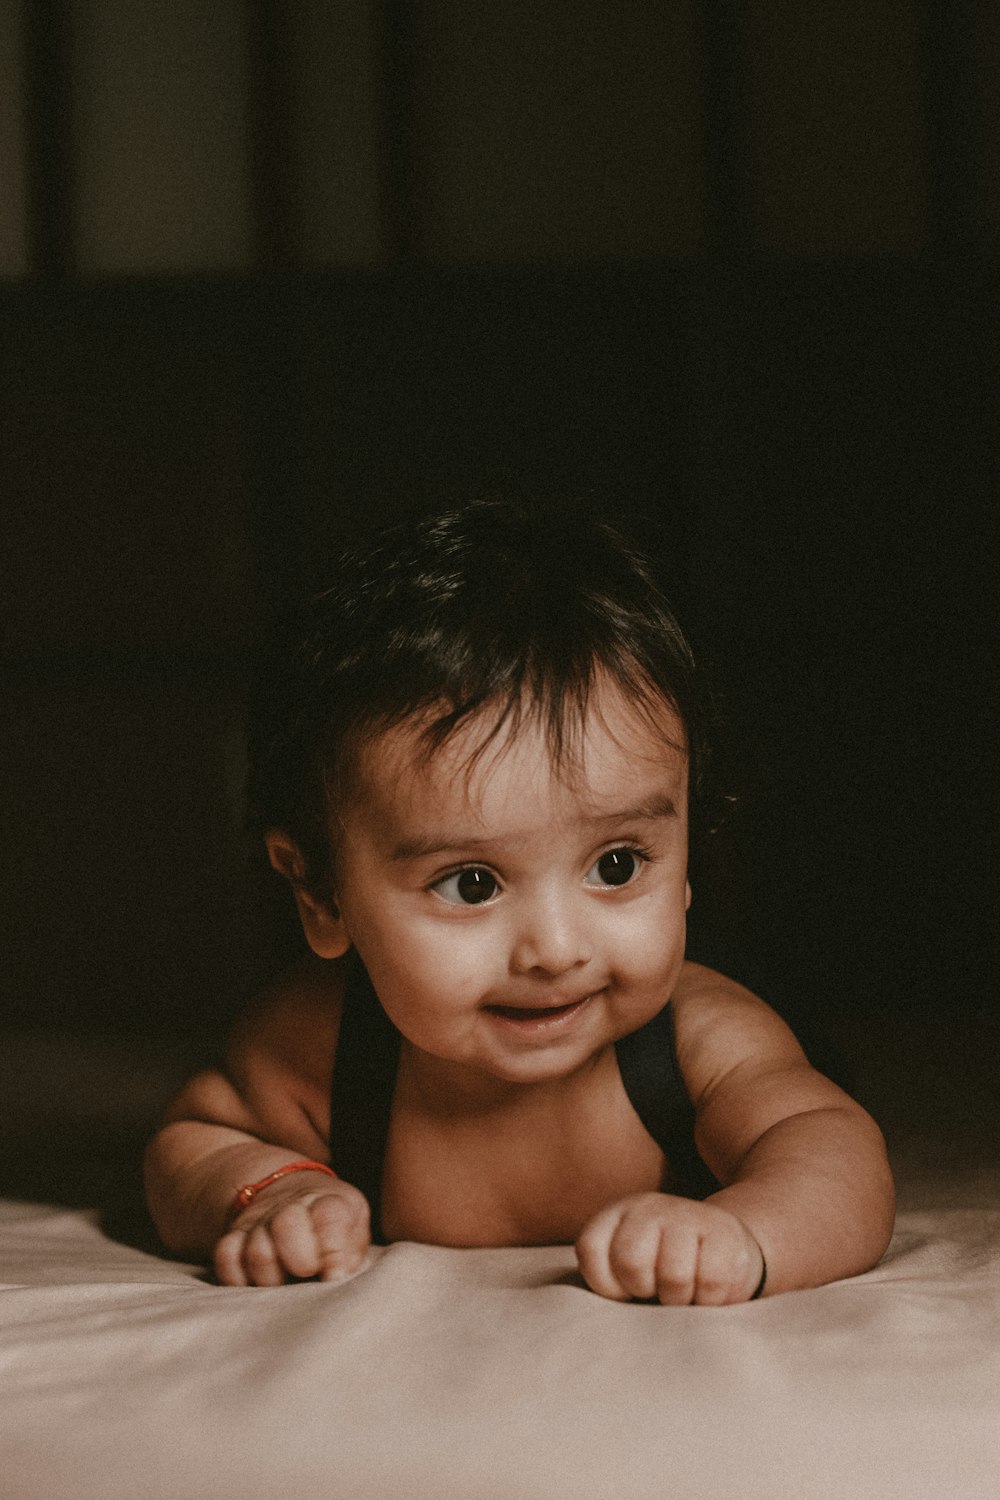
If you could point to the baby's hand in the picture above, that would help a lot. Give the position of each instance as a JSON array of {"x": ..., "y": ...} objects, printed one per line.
[
  {"x": 296, "y": 1230},
  {"x": 674, "y": 1249}
]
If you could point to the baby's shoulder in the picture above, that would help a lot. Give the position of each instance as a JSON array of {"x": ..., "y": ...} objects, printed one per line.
[
  {"x": 720, "y": 1025},
  {"x": 291, "y": 1031}
]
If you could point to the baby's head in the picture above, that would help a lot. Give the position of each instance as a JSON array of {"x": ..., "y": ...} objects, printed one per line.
[{"x": 492, "y": 615}]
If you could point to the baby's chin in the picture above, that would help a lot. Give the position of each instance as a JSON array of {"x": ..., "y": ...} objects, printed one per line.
[{"x": 509, "y": 1053}]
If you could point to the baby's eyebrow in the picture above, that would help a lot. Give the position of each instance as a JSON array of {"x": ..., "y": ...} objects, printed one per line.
[
  {"x": 652, "y": 808},
  {"x": 422, "y": 846}
]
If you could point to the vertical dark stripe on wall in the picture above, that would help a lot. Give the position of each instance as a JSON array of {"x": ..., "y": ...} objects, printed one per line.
[
  {"x": 274, "y": 314},
  {"x": 720, "y": 383},
  {"x": 726, "y": 139},
  {"x": 400, "y": 184},
  {"x": 955, "y": 135},
  {"x": 272, "y": 123},
  {"x": 49, "y": 156}
]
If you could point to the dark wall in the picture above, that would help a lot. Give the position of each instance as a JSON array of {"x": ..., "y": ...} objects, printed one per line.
[
  {"x": 817, "y": 444},
  {"x": 782, "y": 347},
  {"x": 170, "y": 467}
]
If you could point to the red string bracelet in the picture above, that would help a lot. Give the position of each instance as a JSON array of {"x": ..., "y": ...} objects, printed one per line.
[{"x": 249, "y": 1190}]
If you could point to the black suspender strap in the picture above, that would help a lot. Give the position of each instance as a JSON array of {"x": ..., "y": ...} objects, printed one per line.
[
  {"x": 651, "y": 1075},
  {"x": 364, "y": 1081}
]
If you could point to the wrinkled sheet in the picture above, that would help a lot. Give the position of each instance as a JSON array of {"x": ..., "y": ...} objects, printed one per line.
[{"x": 469, "y": 1373}]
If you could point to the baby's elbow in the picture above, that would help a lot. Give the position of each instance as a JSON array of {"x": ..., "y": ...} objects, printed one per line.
[
  {"x": 887, "y": 1203},
  {"x": 159, "y": 1170},
  {"x": 878, "y": 1197}
]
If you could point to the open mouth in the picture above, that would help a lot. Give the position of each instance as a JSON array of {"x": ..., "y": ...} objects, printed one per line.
[{"x": 534, "y": 1017}]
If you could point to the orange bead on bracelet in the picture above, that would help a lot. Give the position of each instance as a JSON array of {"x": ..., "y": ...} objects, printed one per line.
[{"x": 249, "y": 1190}]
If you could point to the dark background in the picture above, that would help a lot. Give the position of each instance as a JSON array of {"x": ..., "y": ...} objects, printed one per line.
[{"x": 274, "y": 270}]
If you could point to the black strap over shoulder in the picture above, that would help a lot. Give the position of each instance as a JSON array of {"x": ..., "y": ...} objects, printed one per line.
[
  {"x": 364, "y": 1081},
  {"x": 651, "y": 1075}
]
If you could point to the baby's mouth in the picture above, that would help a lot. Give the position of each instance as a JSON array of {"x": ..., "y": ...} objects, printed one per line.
[
  {"x": 536, "y": 1013},
  {"x": 529, "y": 1012}
]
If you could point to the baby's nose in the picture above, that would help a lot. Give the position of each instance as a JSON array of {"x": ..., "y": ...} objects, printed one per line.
[{"x": 552, "y": 937}]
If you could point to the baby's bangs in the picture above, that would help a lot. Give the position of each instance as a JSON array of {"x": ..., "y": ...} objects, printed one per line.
[{"x": 560, "y": 706}]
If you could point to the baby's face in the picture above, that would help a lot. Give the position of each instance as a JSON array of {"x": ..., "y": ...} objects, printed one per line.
[{"x": 515, "y": 918}]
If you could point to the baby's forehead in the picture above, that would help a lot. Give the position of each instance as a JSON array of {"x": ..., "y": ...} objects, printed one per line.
[{"x": 613, "y": 745}]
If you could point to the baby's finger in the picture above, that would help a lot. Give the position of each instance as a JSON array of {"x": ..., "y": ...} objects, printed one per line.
[
  {"x": 341, "y": 1224},
  {"x": 677, "y": 1265},
  {"x": 593, "y": 1254},
  {"x": 294, "y": 1239},
  {"x": 260, "y": 1260},
  {"x": 227, "y": 1259},
  {"x": 713, "y": 1282},
  {"x": 633, "y": 1254}
]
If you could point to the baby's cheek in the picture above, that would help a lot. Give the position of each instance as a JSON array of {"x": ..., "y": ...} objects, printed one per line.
[
  {"x": 647, "y": 974},
  {"x": 426, "y": 998},
  {"x": 651, "y": 942}
]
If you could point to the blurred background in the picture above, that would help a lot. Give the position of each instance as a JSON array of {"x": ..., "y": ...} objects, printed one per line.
[{"x": 271, "y": 271}]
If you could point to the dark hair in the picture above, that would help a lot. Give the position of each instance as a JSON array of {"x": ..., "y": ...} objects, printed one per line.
[{"x": 493, "y": 604}]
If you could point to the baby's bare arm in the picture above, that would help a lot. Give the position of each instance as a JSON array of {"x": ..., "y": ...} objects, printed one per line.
[
  {"x": 804, "y": 1167},
  {"x": 268, "y": 1109},
  {"x": 807, "y": 1187}
]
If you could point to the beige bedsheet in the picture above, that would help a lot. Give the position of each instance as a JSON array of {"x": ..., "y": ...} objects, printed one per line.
[{"x": 467, "y": 1374}]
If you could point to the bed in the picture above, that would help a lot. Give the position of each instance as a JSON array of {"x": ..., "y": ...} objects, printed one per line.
[{"x": 125, "y": 1375}]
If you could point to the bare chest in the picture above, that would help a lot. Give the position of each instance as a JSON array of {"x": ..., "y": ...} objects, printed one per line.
[{"x": 530, "y": 1172}]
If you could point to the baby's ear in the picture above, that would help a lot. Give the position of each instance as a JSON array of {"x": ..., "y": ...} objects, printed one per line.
[{"x": 321, "y": 920}]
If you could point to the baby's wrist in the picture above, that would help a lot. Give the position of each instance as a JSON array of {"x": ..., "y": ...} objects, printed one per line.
[{"x": 250, "y": 1191}]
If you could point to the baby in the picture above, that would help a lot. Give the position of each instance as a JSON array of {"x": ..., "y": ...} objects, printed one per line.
[{"x": 474, "y": 766}]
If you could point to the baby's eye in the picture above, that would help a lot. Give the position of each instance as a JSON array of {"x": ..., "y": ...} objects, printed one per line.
[
  {"x": 616, "y": 867},
  {"x": 469, "y": 887}
]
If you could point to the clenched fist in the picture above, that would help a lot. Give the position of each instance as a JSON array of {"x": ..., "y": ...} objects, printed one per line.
[
  {"x": 676, "y": 1250},
  {"x": 311, "y": 1227}
]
